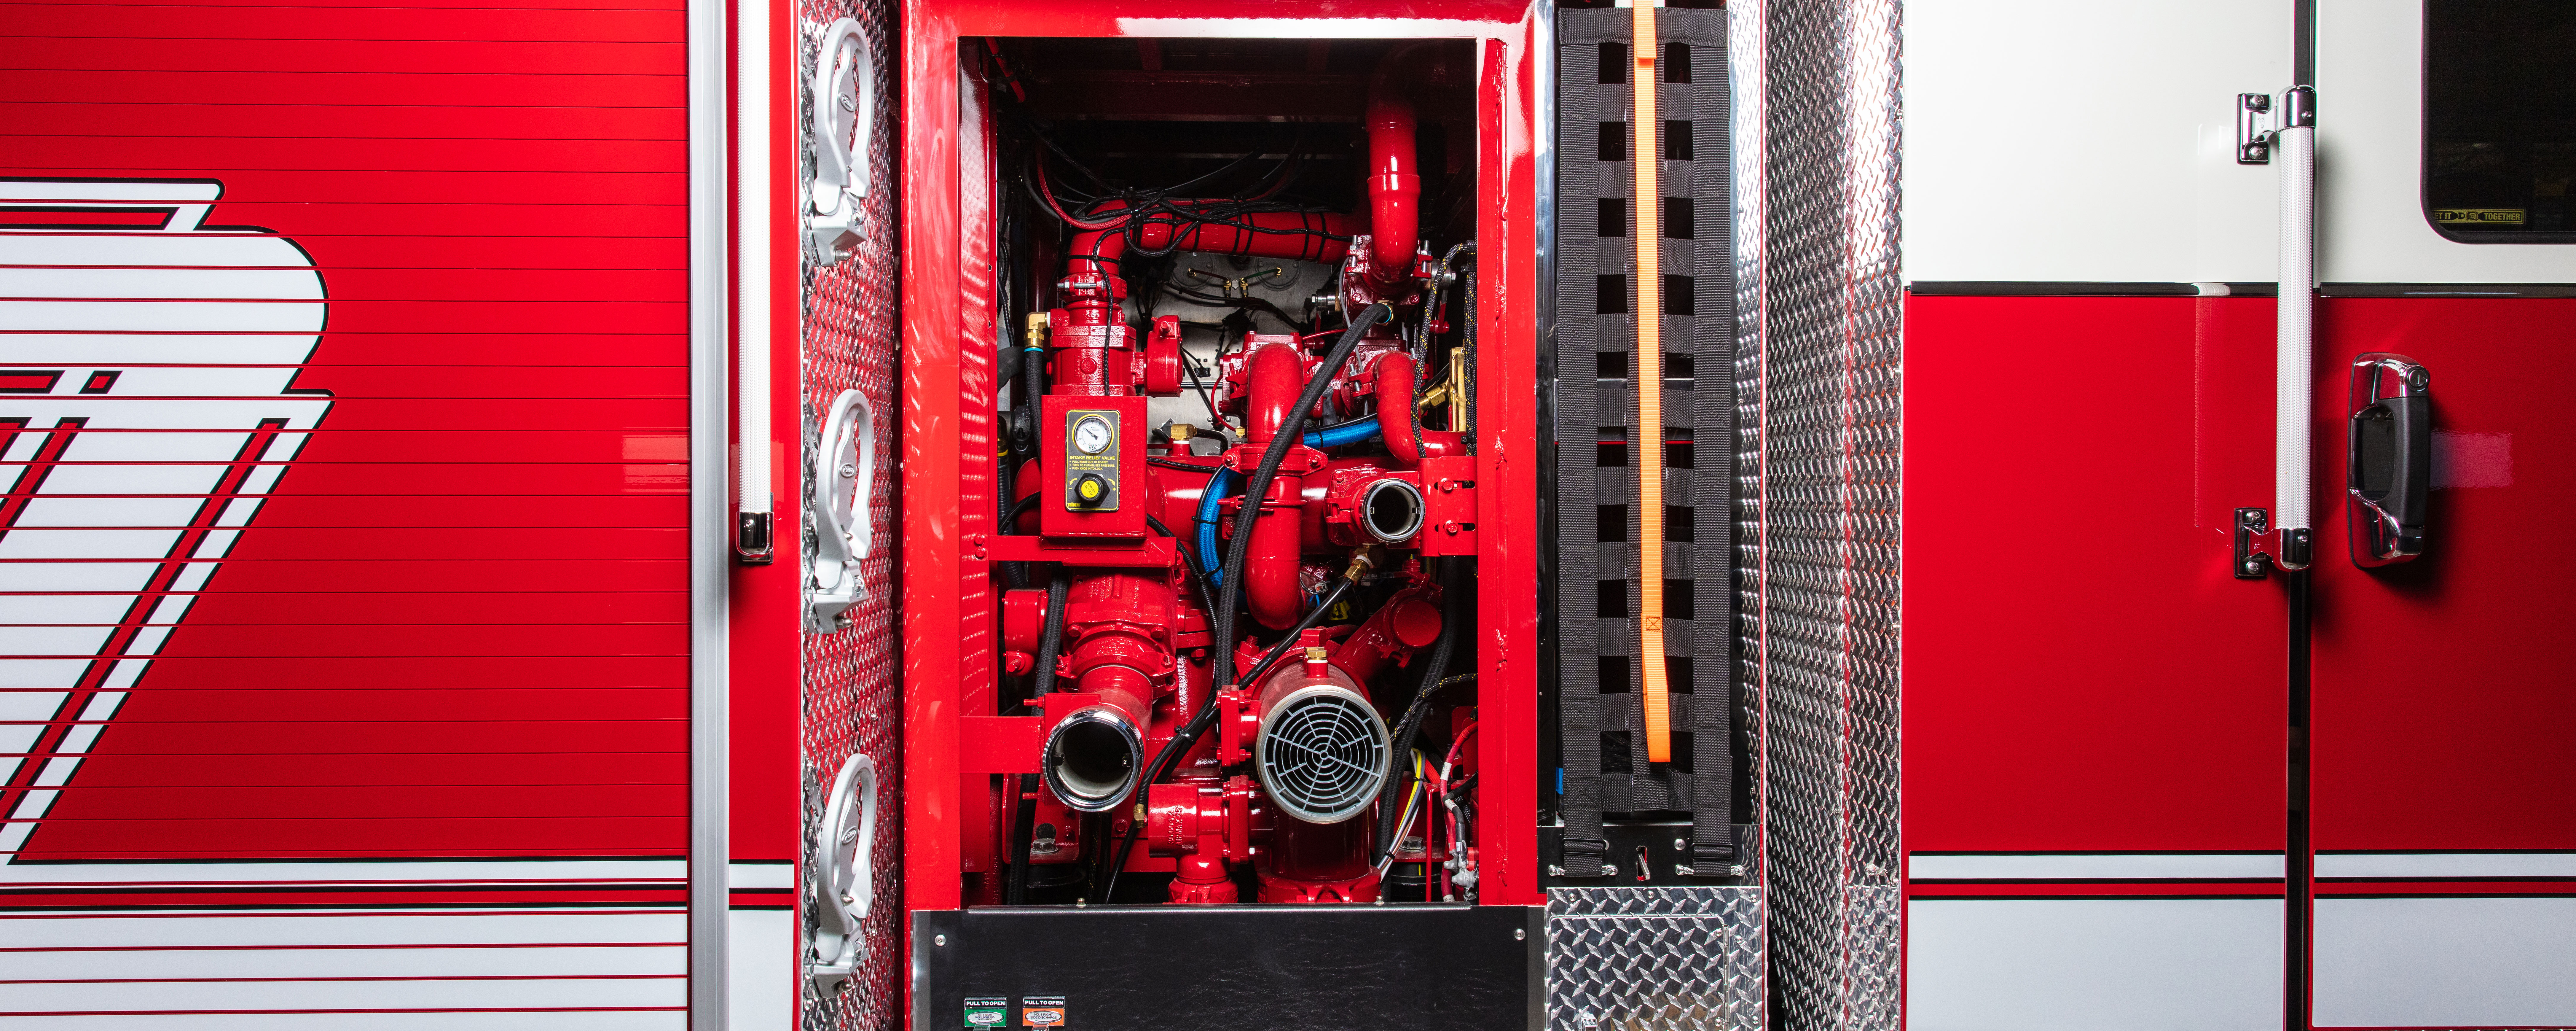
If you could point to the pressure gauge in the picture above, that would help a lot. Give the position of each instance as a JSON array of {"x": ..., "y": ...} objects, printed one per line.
[{"x": 1092, "y": 435}]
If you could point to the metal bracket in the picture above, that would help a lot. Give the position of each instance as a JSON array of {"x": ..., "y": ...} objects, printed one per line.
[
  {"x": 2254, "y": 131},
  {"x": 2260, "y": 120},
  {"x": 751, "y": 538},
  {"x": 2259, "y": 550}
]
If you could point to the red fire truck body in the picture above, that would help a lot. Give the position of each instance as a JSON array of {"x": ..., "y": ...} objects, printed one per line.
[{"x": 831, "y": 513}]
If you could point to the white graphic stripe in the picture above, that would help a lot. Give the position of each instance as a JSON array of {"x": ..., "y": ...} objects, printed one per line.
[{"x": 2093, "y": 866}]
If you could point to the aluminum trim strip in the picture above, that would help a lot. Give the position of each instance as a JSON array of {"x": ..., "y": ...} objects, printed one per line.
[
  {"x": 710, "y": 522},
  {"x": 2097, "y": 866}
]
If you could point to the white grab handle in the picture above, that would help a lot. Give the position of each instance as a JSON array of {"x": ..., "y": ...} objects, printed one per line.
[
  {"x": 2292, "y": 377},
  {"x": 844, "y": 881},
  {"x": 845, "y": 105},
  {"x": 845, "y": 472}
]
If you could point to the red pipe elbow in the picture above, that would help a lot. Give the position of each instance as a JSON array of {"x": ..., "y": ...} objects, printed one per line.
[
  {"x": 1275, "y": 376},
  {"x": 1397, "y": 423},
  {"x": 1394, "y": 183}
]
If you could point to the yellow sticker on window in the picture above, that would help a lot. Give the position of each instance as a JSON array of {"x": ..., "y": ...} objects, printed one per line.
[{"x": 2478, "y": 217}]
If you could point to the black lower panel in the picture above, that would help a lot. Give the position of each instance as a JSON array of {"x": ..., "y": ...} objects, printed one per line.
[{"x": 1172, "y": 968}]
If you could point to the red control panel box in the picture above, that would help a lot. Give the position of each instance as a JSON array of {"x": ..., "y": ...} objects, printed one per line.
[{"x": 1091, "y": 456}]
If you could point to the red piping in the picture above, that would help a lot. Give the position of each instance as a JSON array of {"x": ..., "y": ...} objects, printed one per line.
[
  {"x": 1394, "y": 183},
  {"x": 1397, "y": 422},
  {"x": 1304, "y": 240}
]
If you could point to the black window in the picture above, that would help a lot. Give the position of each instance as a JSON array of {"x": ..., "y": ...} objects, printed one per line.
[{"x": 2500, "y": 119}]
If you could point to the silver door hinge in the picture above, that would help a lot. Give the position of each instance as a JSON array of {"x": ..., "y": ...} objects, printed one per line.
[{"x": 2260, "y": 118}]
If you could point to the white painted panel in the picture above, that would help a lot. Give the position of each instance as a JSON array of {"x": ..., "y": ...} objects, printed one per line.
[
  {"x": 2445, "y": 962},
  {"x": 267, "y": 284},
  {"x": 203, "y": 248},
  {"x": 760, "y": 957},
  {"x": 43, "y": 543},
  {"x": 24, "y": 192},
  {"x": 528, "y": 993},
  {"x": 221, "y": 963},
  {"x": 49, "y": 640},
  {"x": 425, "y": 871},
  {"x": 2094, "y": 866},
  {"x": 2501, "y": 865},
  {"x": 2371, "y": 226},
  {"x": 116, "y": 349},
  {"x": 2127, "y": 964},
  {"x": 128, "y": 931},
  {"x": 202, "y": 382},
  {"x": 112, "y": 512},
  {"x": 2088, "y": 142},
  {"x": 241, "y": 317},
  {"x": 497, "y": 1021}
]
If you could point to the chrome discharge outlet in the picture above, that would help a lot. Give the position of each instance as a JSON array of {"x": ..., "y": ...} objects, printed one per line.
[
  {"x": 1392, "y": 511},
  {"x": 1092, "y": 758}
]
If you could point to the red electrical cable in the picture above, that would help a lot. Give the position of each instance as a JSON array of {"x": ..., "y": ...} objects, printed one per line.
[{"x": 1048, "y": 192}]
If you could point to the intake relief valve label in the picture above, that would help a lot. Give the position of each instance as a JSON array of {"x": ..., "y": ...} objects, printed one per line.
[{"x": 1042, "y": 1011}]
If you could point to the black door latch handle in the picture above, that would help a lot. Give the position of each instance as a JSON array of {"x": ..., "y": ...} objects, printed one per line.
[{"x": 2388, "y": 467}]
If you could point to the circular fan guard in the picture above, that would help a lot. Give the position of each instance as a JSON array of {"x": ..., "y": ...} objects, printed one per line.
[{"x": 1322, "y": 754}]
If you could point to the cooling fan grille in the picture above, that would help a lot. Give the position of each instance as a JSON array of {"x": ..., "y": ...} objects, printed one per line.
[{"x": 1322, "y": 754}]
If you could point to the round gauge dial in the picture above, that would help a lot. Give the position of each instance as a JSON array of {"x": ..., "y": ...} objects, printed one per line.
[{"x": 1091, "y": 435}]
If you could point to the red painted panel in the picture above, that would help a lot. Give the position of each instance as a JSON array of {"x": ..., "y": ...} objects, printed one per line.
[
  {"x": 456, "y": 625},
  {"x": 147, "y": 85},
  {"x": 343, "y": 22},
  {"x": 2442, "y": 689},
  {"x": 2081, "y": 670}
]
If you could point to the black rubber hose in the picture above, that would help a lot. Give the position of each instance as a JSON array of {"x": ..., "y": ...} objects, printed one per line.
[{"x": 1042, "y": 680}]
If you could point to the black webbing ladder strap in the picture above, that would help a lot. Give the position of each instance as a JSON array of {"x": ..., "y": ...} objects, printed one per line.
[{"x": 1610, "y": 444}]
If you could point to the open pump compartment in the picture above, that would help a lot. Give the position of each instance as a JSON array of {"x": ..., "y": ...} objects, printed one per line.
[
  {"x": 1223, "y": 294},
  {"x": 1232, "y": 718}
]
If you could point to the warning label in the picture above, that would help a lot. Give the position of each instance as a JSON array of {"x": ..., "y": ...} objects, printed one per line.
[
  {"x": 1042, "y": 1011},
  {"x": 2478, "y": 217}
]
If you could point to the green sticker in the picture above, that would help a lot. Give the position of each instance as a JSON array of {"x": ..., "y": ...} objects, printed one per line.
[{"x": 988, "y": 1013}]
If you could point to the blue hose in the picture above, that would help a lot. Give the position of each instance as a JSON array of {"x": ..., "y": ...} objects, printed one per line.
[
  {"x": 1220, "y": 487},
  {"x": 1346, "y": 433}
]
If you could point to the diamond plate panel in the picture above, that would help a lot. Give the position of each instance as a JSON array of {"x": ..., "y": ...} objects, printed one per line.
[
  {"x": 1654, "y": 959},
  {"x": 851, "y": 701},
  {"x": 1821, "y": 367}
]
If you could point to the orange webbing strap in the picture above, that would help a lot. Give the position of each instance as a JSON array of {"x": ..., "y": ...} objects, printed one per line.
[{"x": 1648, "y": 447}]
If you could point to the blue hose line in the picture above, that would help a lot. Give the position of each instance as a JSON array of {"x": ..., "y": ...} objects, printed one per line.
[
  {"x": 1220, "y": 487},
  {"x": 1346, "y": 433}
]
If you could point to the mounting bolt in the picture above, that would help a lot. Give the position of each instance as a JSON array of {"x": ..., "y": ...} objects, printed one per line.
[
  {"x": 1679, "y": 844},
  {"x": 939, "y": 939},
  {"x": 1556, "y": 871},
  {"x": 1519, "y": 934}
]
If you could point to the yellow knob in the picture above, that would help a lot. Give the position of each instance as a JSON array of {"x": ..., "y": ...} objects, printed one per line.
[{"x": 1089, "y": 489}]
